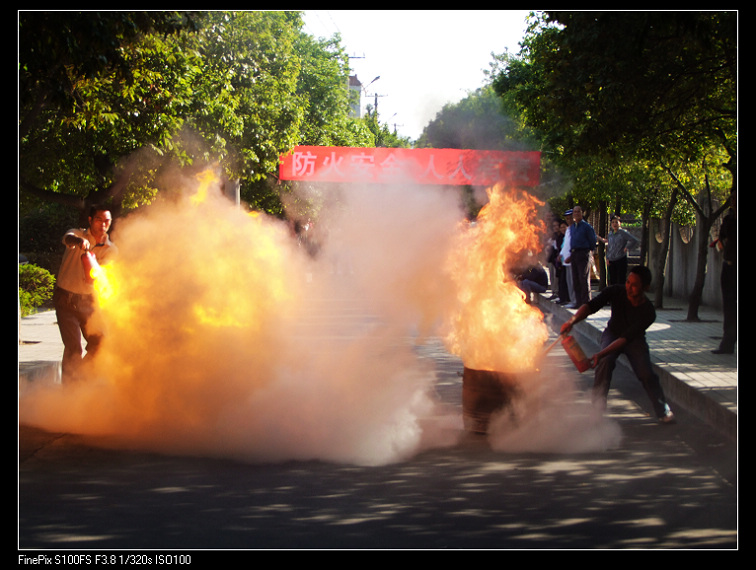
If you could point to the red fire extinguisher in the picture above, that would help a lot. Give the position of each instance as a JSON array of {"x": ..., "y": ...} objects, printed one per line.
[{"x": 576, "y": 354}]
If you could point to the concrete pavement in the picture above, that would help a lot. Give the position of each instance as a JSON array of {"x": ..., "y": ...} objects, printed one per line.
[{"x": 703, "y": 383}]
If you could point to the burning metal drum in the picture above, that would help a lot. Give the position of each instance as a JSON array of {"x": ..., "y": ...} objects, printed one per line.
[{"x": 484, "y": 393}]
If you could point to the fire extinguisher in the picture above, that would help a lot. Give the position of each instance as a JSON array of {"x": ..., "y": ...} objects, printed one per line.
[
  {"x": 576, "y": 354},
  {"x": 91, "y": 267}
]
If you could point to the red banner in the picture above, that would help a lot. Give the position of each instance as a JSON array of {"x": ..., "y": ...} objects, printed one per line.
[{"x": 422, "y": 166}]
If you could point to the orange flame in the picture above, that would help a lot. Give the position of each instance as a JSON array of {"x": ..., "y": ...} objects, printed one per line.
[
  {"x": 206, "y": 179},
  {"x": 493, "y": 328}
]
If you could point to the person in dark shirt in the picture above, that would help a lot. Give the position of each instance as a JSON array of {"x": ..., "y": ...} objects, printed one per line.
[
  {"x": 625, "y": 333},
  {"x": 532, "y": 280}
]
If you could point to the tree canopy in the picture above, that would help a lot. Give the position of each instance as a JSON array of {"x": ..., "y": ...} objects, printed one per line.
[
  {"x": 109, "y": 99},
  {"x": 601, "y": 82},
  {"x": 635, "y": 104}
]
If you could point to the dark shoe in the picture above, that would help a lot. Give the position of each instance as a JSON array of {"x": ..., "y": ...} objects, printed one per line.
[{"x": 723, "y": 351}]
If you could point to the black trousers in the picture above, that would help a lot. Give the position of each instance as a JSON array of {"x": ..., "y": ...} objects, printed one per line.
[
  {"x": 729, "y": 283},
  {"x": 580, "y": 262},
  {"x": 617, "y": 271}
]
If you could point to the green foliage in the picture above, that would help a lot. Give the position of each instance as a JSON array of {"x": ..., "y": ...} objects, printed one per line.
[
  {"x": 35, "y": 287},
  {"x": 40, "y": 229},
  {"x": 479, "y": 121},
  {"x": 631, "y": 105},
  {"x": 108, "y": 101},
  {"x": 380, "y": 135},
  {"x": 323, "y": 85},
  {"x": 245, "y": 106}
]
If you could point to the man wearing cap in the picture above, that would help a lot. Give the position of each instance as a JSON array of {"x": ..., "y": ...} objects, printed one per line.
[
  {"x": 582, "y": 244},
  {"x": 73, "y": 296}
]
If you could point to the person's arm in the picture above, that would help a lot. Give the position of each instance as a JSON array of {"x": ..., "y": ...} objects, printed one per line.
[
  {"x": 72, "y": 240},
  {"x": 581, "y": 314},
  {"x": 630, "y": 241},
  {"x": 615, "y": 345}
]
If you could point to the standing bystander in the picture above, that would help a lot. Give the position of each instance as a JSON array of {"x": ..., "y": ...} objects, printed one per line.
[
  {"x": 552, "y": 257},
  {"x": 582, "y": 244},
  {"x": 561, "y": 270},
  {"x": 564, "y": 258},
  {"x": 618, "y": 242}
]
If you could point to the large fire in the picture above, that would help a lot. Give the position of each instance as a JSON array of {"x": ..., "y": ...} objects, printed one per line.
[
  {"x": 493, "y": 328},
  {"x": 217, "y": 341}
]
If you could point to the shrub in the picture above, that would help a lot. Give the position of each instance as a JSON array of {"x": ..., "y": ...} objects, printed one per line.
[{"x": 35, "y": 287}]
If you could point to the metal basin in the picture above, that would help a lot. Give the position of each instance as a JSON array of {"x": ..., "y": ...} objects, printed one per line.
[{"x": 484, "y": 393}]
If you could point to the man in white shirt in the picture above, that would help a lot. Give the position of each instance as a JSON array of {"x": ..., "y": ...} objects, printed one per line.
[{"x": 73, "y": 297}]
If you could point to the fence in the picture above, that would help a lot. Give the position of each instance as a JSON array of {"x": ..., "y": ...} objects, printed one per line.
[{"x": 682, "y": 263}]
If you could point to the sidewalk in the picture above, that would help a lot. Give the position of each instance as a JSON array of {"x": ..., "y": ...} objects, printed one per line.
[{"x": 693, "y": 377}]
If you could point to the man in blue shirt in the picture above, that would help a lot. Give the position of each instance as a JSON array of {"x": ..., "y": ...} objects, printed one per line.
[{"x": 582, "y": 244}]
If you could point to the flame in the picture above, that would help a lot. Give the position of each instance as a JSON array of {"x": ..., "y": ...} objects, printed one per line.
[
  {"x": 192, "y": 306},
  {"x": 492, "y": 327},
  {"x": 206, "y": 179},
  {"x": 212, "y": 285},
  {"x": 104, "y": 284},
  {"x": 217, "y": 341}
]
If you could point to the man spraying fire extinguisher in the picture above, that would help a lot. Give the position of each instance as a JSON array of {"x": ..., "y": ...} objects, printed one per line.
[
  {"x": 625, "y": 333},
  {"x": 73, "y": 297}
]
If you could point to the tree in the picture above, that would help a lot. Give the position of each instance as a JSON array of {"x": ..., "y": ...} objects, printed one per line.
[
  {"x": 707, "y": 211},
  {"x": 479, "y": 121},
  {"x": 83, "y": 103},
  {"x": 656, "y": 86},
  {"x": 629, "y": 80},
  {"x": 324, "y": 84},
  {"x": 382, "y": 136},
  {"x": 144, "y": 91}
]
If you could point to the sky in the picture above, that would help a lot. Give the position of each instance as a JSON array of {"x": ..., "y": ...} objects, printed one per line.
[{"x": 424, "y": 58}]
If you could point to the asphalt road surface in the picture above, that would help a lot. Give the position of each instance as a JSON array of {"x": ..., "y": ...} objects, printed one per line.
[{"x": 658, "y": 487}]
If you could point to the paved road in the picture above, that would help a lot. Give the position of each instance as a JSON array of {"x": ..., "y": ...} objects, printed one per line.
[{"x": 651, "y": 487}]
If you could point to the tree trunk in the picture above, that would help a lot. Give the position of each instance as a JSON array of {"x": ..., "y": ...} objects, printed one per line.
[
  {"x": 703, "y": 225},
  {"x": 601, "y": 231},
  {"x": 645, "y": 221},
  {"x": 661, "y": 260}
]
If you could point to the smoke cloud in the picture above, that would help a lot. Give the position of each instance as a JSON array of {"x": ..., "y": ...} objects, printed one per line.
[{"x": 225, "y": 337}]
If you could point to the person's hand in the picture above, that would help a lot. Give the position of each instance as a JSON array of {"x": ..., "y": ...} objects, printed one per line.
[
  {"x": 594, "y": 360},
  {"x": 566, "y": 326},
  {"x": 74, "y": 241}
]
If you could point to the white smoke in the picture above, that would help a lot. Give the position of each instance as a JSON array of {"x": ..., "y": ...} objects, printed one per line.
[
  {"x": 552, "y": 416},
  {"x": 226, "y": 338}
]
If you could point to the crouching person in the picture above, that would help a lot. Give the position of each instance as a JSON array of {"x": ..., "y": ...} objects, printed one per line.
[{"x": 631, "y": 314}]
